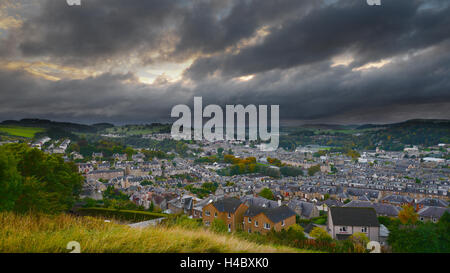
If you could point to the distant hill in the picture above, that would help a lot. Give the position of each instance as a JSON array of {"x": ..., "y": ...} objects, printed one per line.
[
  {"x": 102, "y": 126},
  {"x": 411, "y": 123},
  {"x": 325, "y": 126},
  {"x": 44, "y": 123}
]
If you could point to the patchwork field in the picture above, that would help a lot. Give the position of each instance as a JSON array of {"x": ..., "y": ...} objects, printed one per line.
[{"x": 27, "y": 132}]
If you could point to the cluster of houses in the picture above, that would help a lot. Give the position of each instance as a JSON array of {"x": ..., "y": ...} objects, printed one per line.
[
  {"x": 257, "y": 214},
  {"x": 352, "y": 193}
]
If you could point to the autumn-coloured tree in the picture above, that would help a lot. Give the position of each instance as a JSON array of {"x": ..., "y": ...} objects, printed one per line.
[
  {"x": 320, "y": 234},
  {"x": 360, "y": 238},
  {"x": 408, "y": 215}
]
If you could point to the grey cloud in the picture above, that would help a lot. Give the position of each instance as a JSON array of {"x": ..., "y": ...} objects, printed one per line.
[
  {"x": 291, "y": 66},
  {"x": 369, "y": 33},
  {"x": 411, "y": 88}
]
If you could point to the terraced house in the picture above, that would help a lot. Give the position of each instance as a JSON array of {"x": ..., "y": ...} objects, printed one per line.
[
  {"x": 229, "y": 210},
  {"x": 262, "y": 220}
]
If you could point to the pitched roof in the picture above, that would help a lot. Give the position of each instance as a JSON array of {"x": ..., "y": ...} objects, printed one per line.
[
  {"x": 396, "y": 198},
  {"x": 305, "y": 207},
  {"x": 259, "y": 201},
  {"x": 433, "y": 202},
  {"x": 436, "y": 212},
  {"x": 227, "y": 204},
  {"x": 380, "y": 208},
  {"x": 274, "y": 214},
  {"x": 349, "y": 216}
]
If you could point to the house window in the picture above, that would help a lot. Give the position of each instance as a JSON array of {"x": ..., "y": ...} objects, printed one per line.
[
  {"x": 207, "y": 213},
  {"x": 434, "y": 220},
  {"x": 421, "y": 218},
  {"x": 266, "y": 225},
  {"x": 364, "y": 229},
  {"x": 207, "y": 223},
  {"x": 249, "y": 230},
  {"x": 249, "y": 219},
  {"x": 215, "y": 214},
  {"x": 256, "y": 223},
  {"x": 343, "y": 229},
  {"x": 282, "y": 223},
  {"x": 229, "y": 215},
  {"x": 229, "y": 227}
]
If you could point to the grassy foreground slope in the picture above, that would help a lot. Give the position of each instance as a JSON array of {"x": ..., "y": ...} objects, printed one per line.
[{"x": 50, "y": 234}]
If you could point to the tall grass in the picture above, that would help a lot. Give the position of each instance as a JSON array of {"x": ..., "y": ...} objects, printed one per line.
[{"x": 50, "y": 234}]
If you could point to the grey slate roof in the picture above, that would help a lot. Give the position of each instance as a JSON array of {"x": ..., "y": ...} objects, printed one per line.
[
  {"x": 435, "y": 212},
  {"x": 259, "y": 201},
  {"x": 348, "y": 216},
  {"x": 433, "y": 202},
  {"x": 305, "y": 207},
  {"x": 227, "y": 204},
  {"x": 275, "y": 215},
  {"x": 331, "y": 203},
  {"x": 380, "y": 208},
  {"x": 396, "y": 198}
]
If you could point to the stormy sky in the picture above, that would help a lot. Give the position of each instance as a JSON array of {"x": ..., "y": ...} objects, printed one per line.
[{"x": 131, "y": 61}]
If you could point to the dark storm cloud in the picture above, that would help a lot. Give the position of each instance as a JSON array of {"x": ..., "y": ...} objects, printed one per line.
[
  {"x": 407, "y": 88},
  {"x": 115, "y": 97},
  {"x": 369, "y": 33},
  {"x": 101, "y": 29},
  {"x": 207, "y": 30},
  {"x": 97, "y": 29},
  {"x": 292, "y": 65}
]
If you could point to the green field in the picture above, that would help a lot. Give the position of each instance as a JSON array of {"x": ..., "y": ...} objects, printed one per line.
[{"x": 27, "y": 132}]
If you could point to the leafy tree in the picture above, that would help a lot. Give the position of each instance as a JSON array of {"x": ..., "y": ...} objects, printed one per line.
[
  {"x": 267, "y": 193},
  {"x": 130, "y": 152},
  {"x": 320, "y": 234},
  {"x": 291, "y": 171},
  {"x": 408, "y": 215},
  {"x": 313, "y": 170},
  {"x": 360, "y": 239},
  {"x": 10, "y": 181},
  {"x": 36, "y": 181}
]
